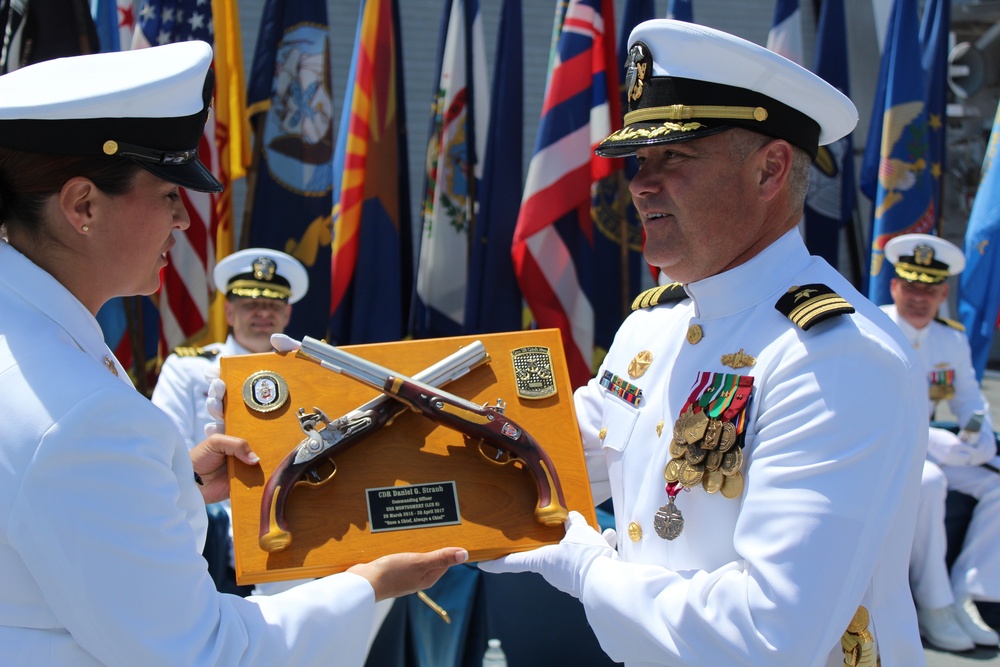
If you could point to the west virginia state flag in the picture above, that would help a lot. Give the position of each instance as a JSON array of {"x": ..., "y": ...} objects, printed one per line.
[
  {"x": 372, "y": 264},
  {"x": 904, "y": 201},
  {"x": 455, "y": 150},
  {"x": 291, "y": 110}
]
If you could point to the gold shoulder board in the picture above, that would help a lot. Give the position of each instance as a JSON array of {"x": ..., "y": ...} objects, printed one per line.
[
  {"x": 809, "y": 304},
  {"x": 195, "y": 352},
  {"x": 654, "y": 296},
  {"x": 954, "y": 324}
]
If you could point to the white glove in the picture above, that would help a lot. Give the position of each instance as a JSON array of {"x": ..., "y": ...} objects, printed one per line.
[
  {"x": 216, "y": 394},
  {"x": 945, "y": 448},
  {"x": 563, "y": 565}
]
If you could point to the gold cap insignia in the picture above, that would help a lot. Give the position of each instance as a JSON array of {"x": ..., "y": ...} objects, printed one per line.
[
  {"x": 533, "y": 373},
  {"x": 637, "y": 71},
  {"x": 923, "y": 255},
  {"x": 264, "y": 268},
  {"x": 637, "y": 367}
]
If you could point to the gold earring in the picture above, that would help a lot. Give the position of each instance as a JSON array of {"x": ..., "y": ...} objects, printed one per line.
[{"x": 86, "y": 228}]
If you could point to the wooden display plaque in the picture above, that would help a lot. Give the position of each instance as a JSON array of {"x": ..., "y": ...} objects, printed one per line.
[{"x": 408, "y": 466}]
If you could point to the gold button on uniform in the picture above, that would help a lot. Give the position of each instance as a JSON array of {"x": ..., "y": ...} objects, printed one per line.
[
  {"x": 634, "y": 532},
  {"x": 694, "y": 334},
  {"x": 603, "y": 433}
]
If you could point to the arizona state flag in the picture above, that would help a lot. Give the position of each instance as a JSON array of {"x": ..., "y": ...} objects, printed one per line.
[{"x": 372, "y": 263}]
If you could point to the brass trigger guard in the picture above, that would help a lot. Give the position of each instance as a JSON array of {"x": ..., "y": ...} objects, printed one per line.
[
  {"x": 498, "y": 457},
  {"x": 319, "y": 475}
]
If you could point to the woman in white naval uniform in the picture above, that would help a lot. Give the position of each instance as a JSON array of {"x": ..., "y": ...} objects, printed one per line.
[
  {"x": 945, "y": 609},
  {"x": 101, "y": 519},
  {"x": 746, "y": 420}
]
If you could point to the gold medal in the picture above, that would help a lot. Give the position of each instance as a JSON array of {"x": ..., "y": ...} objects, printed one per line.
[
  {"x": 728, "y": 436},
  {"x": 713, "y": 480},
  {"x": 695, "y": 454},
  {"x": 639, "y": 364},
  {"x": 672, "y": 471},
  {"x": 732, "y": 485},
  {"x": 713, "y": 460},
  {"x": 731, "y": 461},
  {"x": 690, "y": 426},
  {"x": 677, "y": 449},
  {"x": 713, "y": 432},
  {"x": 691, "y": 474}
]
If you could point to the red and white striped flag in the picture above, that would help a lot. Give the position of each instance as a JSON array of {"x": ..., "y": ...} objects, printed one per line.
[
  {"x": 569, "y": 190},
  {"x": 186, "y": 289}
]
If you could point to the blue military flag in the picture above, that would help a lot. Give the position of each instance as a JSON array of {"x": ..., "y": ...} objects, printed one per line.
[
  {"x": 979, "y": 283},
  {"x": 830, "y": 200},
  {"x": 680, "y": 10},
  {"x": 289, "y": 104},
  {"x": 455, "y": 148},
  {"x": 934, "y": 36},
  {"x": 903, "y": 197},
  {"x": 493, "y": 300}
]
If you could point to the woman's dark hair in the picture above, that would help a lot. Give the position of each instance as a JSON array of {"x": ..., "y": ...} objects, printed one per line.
[{"x": 27, "y": 180}]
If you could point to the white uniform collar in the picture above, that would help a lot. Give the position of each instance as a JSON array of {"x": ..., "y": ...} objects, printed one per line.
[
  {"x": 48, "y": 295},
  {"x": 743, "y": 287},
  {"x": 232, "y": 347},
  {"x": 914, "y": 335}
]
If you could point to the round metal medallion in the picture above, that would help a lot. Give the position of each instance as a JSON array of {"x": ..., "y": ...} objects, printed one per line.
[{"x": 265, "y": 391}]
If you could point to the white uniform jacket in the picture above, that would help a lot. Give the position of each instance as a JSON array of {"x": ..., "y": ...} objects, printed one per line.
[
  {"x": 102, "y": 525},
  {"x": 825, "y": 520},
  {"x": 942, "y": 355},
  {"x": 182, "y": 389}
]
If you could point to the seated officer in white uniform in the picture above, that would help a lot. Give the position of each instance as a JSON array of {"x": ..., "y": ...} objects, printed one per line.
[
  {"x": 747, "y": 419},
  {"x": 945, "y": 609}
]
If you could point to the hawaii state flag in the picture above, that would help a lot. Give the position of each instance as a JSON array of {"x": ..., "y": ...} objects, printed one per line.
[
  {"x": 291, "y": 112},
  {"x": 572, "y": 210},
  {"x": 371, "y": 267}
]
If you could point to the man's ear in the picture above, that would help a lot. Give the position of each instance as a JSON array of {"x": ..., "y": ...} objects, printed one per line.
[
  {"x": 77, "y": 203},
  {"x": 775, "y": 167}
]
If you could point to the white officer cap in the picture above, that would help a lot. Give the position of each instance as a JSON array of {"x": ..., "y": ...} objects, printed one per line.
[
  {"x": 261, "y": 273},
  {"x": 923, "y": 258},
  {"x": 147, "y": 105},
  {"x": 686, "y": 81}
]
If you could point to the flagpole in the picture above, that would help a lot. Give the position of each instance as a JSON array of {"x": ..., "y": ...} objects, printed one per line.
[{"x": 251, "y": 181}]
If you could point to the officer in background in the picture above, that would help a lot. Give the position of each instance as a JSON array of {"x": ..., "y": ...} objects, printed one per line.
[
  {"x": 746, "y": 420},
  {"x": 945, "y": 610},
  {"x": 260, "y": 287}
]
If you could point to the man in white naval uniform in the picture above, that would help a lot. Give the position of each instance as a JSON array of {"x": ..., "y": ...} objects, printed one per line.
[
  {"x": 945, "y": 609},
  {"x": 748, "y": 419},
  {"x": 260, "y": 287}
]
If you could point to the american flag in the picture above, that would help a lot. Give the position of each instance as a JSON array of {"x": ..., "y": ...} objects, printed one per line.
[
  {"x": 570, "y": 193},
  {"x": 186, "y": 289}
]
